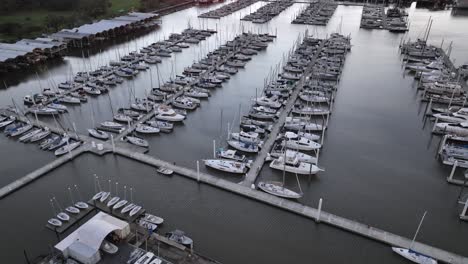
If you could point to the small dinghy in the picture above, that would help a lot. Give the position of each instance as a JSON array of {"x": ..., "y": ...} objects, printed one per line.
[
  {"x": 104, "y": 196},
  {"x": 179, "y": 237},
  {"x": 226, "y": 165},
  {"x": 120, "y": 204},
  {"x": 153, "y": 219},
  {"x": 113, "y": 201},
  {"x": 164, "y": 171},
  {"x": 137, "y": 141},
  {"x": 127, "y": 208},
  {"x": 67, "y": 148},
  {"x": 63, "y": 216},
  {"x": 243, "y": 146},
  {"x": 135, "y": 210},
  {"x": 81, "y": 205},
  {"x": 72, "y": 210},
  {"x": 99, "y": 134},
  {"x": 55, "y": 222},
  {"x": 108, "y": 247},
  {"x": 278, "y": 189},
  {"x": 414, "y": 256}
]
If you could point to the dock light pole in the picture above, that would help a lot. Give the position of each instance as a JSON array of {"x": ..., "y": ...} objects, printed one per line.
[
  {"x": 198, "y": 171},
  {"x": 113, "y": 144},
  {"x": 455, "y": 165},
  {"x": 319, "y": 211}
]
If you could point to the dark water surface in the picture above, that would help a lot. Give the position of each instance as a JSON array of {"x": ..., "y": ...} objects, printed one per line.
[{"x": 379, "y": 161}]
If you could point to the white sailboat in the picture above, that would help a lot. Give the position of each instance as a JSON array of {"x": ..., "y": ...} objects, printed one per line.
[
  {"x": 226, "y": 165},
  {"x": 293, "y": 165}
]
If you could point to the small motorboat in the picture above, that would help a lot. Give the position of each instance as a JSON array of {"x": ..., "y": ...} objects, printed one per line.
[
  {"x": 226, "y": 165},
  {"x": 179, "y": 237},
  {"x": 414, "y": 256},
  {"x": 127, "y": 208},
  {"x": 152, "y": 219},
  {"x": 145, "y": 259},
  {"x": 137, "y": 141},
  {"x": 113, "y": 201},
  {"x": 164, "y": 171},
  {"x": 99, "y": 134},
  {"x": 55, "y": 222},
  {"x": 278, "y": 189},
  {"x": 135, "y": 210},
  {"x": 72, "y": 209},
  {"x": 108, "y": 247},
  {"x": 147, "y": 225}
]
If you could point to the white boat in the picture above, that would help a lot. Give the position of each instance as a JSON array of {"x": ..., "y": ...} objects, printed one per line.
[
  {"x": 243, "y": 146},
  {"x": 460, "y": 129},
  {"x": 179, "y": 237},
  {"x": 135, "y": 210},
  {"x": 63, "y": 216},
  {"x": 69, "y": 100},
  {"x": 146, "y": 225},
  {"x": 112, "y": 125},
  {"x": 7, "y": 122},
  {"x": 98, "y": 134},
  {"x": 91, "y": 90},
  {"x": 59, "y": 107},
  {"x": 145, "y": 129},
  {"x": 249, "y": 137},
  {"x": 72, "y": 209},
  {"x": 162, "y": 125},
  {"x": 231, "y": 155},
  {"x": 185, "y": 102},
  {"x": 278, "y": 189},
  {"x": 108, "y": 247},
  {"x": 113, "y": 201},
  {"x": 20, "y": 130},
  {"x": 98, "y": 195},
  {"x": 307, "y": 110},
  {"x": 451, "y": 118},
  {"x": 156, "y": 260},
  {"x": 145, "y": 259},
  {"x": 67, "y": 148},
  {"x": 104, "y": 196},
  {"x": 81, "y": 205},
  {"x": 26, "y": 137},
  {"x": 128, "y": 208},
  {"x": 279, "y": 151},
  {"x": 123, "y": 118},
  {"x": 265, "y": 101},
  {"x": 293, "y": 165},
  {"x": 414, "y": 256},
  {"x": 137, "y": 141},
  {"x": 292, "y": 135},
  {"x": 43, "y": 110},
  {"x": 55, "y": 222},
  {"x": 41, "y": 135},
  {"x": 164, "y": 171},
  {"x": 264, "y": 109},
  {"x": 121, "y": 203},
  {"x": 226, "y": 165},
  {"x": 166, "y": 113},
  {"x": 301, "y": 143},
  {"x": 153, "y": 219}
]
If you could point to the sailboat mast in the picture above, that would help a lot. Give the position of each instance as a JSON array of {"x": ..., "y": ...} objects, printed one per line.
[{"x": 417, "y": 230}]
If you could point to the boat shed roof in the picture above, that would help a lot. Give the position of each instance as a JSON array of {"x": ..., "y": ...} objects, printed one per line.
[
  {"x": 10, "y": 54},
  {"x": 41, "y": 44},
  {"x": 92, "y": 233}
]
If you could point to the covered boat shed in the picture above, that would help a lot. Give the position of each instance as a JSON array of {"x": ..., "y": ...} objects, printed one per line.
[
  {"x": 84, "y": 243},
  {"x": 104, "y": 29}
]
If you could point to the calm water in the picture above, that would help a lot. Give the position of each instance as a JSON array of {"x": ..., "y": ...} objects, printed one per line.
[{"x": 379, "y": 161}]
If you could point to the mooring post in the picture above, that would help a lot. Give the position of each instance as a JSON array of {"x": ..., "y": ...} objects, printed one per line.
[
  {"x": 435, "y": 124},
  {"x": 113, "y": 144},
  {"x": 198, "y": 170},
  {"x": 319, "y": 211},
  {"x": 214, "y": 148},
  {"x": 455, "y": 164}
]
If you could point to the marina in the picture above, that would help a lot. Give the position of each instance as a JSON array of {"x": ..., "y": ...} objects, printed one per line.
[{"x": 280, "y": 133}]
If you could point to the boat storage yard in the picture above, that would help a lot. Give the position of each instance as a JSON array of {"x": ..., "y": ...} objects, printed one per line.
[{"x": 261, "y": 100}]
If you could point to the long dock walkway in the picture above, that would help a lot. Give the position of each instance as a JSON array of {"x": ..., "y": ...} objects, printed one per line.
[
  {"x": 300, "y": 209},
  {"x": 259, "y": 161}
]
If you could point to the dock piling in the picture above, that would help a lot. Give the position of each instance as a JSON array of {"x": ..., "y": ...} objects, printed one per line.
[
  {"x": 435, "y": 124},
  {"x": 463, "y": 213},
  {"x": 455, "y": 164},
  {"x": 214, "y": 149},
  {"x": 113, "y": 144},
  {"x": 319, "y": 211},
  {"x": 198, "y": 171}
]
